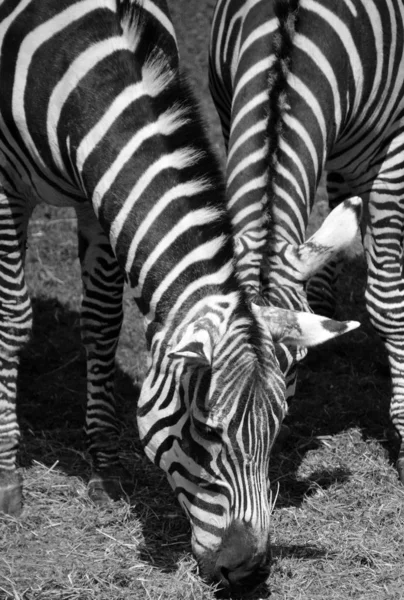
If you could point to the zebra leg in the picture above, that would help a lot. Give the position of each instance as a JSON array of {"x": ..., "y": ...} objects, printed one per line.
[
  {"x": 101, "y": 320},
  {"x": 384, "y": 295},
  {"x": 15, "y": 327}
]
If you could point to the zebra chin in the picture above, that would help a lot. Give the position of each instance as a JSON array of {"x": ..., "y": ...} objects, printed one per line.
[{"x": 239, "y": 564}]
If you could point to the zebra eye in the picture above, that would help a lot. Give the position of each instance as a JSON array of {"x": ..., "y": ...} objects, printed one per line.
[{"x": 207, "y": 432}]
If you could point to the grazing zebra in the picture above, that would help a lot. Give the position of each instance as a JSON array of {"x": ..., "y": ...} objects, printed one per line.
[
  {"x": 240, "y": 60},
  {"x": 333, "y": 77},
  {"x": 95, "y": 115}
]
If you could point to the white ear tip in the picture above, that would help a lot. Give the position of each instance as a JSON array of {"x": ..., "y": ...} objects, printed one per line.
[{"x": 351, "y": 325}]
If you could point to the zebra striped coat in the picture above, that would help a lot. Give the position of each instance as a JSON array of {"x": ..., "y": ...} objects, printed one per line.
[
  {"x": 333, "y": 73},
  {"x": 94, "y": 114}
]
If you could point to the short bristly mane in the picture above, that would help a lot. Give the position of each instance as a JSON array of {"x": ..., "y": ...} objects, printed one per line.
[
  {"x": 164, "y": 78},
  {"x": 286, "y": 13},
  {"x": 132, "y": 20}
]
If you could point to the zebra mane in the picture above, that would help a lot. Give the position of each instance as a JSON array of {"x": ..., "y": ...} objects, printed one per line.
[
  {"x": 286, "y": 13},
  {"x": 146, "y": 42},
  {"x": 131, "y": 17}
]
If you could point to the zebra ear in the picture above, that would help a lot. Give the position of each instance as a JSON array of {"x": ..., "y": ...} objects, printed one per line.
[
  {"x": 195, "y": 345},
  {"x": 301, "y": 328},
  {"x": 335, "y": 234}
]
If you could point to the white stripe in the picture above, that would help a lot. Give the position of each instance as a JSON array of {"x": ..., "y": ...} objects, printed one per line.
[
  {"x": 247, "y": 108},
  {"x": 321, "y": 62},
  {"x": 351, "y": 7},
  {"x": 212, "y": 279},
  {"x": 248, "y": 133},
  {"x": 34, "y": 40},
  {"x": 307, "y": 95},
  {"x": 21, "y": 6},
  {"x": 203, "y": 252},
  {"x": 218, "y": 41},
  {"x": 77, "y": 70},
  {"x": 166, "y": 124},
  {"x": 251, "y": 159},
  {"x": 265, "y": 29},
  {"x": 161, "y": 17},
  {"x": 302, "y": 132},
  {"x": 242, "y": 214},
  {"x": 253, "y": 184},
  {"x": 195, "y": 218},
  {"x": 283, "y": 218},
  {"x": 184, "y": 189},
  {"x": 284, "y": 147},
  {"x": 179, "y": 159},
  {"x": 377, "y": 27},
  {"x": 256, "y": 69},
  {"x": 286, "y": 174},
  {"x": 129, "y": 95},
  {"x": 347, "y": 40}
]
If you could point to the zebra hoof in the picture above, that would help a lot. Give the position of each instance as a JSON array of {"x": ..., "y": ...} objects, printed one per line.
[
  {"x": 11, "y": 494},
  {"x": 106, "y": 486}
]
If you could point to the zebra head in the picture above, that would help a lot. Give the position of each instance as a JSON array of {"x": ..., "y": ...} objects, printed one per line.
[{"x": 209, "y": 412}]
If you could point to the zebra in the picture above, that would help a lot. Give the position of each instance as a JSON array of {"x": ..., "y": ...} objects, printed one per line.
[
  {"x": 240, "y": 60},
  {"x": 326, "y": 82},
  {"x": 95, "y": 114}
]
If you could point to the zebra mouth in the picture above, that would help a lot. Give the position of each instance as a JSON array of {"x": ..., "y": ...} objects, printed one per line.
[{"x": 243, "y": 587}]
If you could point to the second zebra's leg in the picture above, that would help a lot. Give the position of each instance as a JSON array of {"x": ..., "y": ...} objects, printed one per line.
[
  {"x": 383, "y": 240},
  {"x": 101, "y": 320},
  {"x": 15, "y": 327}
]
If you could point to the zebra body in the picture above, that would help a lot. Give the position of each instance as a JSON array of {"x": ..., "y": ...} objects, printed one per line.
[
  {"x": 241, "y": 32},
  {"x": 95, "y": 115},
  {"x": 241, "y": 59},
  {"x": 54, "y": 148},
  {"x": 336, "y": 102}
]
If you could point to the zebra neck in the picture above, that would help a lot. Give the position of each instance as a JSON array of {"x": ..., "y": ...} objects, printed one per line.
[
  {"x": 214, "y": 312},
  {"x": 144, "y": 160},
  {"x": 308, "y": 113}
]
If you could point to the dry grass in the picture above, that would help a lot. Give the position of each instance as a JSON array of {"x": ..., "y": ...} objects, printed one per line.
[{"x": 338, "y": 525}]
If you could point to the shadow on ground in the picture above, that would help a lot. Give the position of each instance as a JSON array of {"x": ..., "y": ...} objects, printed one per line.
[
  {"x": 51, "y": 410},
  {"x": 342, "y": 385}
]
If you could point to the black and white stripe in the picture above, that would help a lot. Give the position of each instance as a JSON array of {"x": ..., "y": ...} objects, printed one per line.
[
  {"x": 336, "y": 103},
  {"x": 95, "y": 115},
  {"x": 242, "y": 59},
  {"x": 241, "y": 35}
]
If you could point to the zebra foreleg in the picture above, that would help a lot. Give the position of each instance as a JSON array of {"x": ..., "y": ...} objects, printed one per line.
[
  {"x": 384, "y": 295},
  {"x": 15, "y": 327},
  {"x": 101, "y": 320}
]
